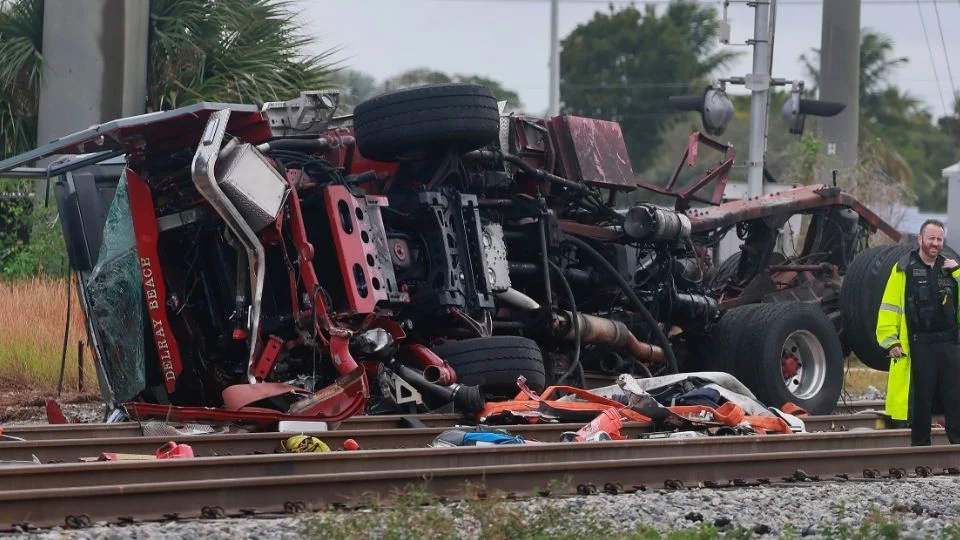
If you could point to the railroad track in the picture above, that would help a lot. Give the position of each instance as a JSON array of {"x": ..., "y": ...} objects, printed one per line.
[
  {"x": 243, "y": 475},
  {"x": 858, "y": 406},
  {"x": 65, "y": 443},
  {"x": 132, "y": 429},
  {"x": 70, "y": 475},
  {"x": 78, "y": 494},
  {"x": 37, "y": 432}
]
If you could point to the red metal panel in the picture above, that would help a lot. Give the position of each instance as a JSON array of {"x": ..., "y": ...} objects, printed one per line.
[
  {"x": 361, "y": 247},
  {"x": 593, "y": 151},
  {"x": 154, "y": 288},
  {"x": 268, "y": 358}
]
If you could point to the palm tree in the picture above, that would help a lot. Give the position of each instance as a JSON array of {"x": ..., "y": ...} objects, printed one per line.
[
  {"x": 882, "y": 106},
  {"x": 21, "y": 65},
  {"x": 877, "y": 64},
  {"x": 247, "y": 51}
]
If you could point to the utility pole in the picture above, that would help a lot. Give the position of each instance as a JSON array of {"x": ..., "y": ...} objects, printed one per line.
[
  {"x": 758, "y": 83},
  {"x": 840, "y": 78},
  {"x": 554, "y": 58}
]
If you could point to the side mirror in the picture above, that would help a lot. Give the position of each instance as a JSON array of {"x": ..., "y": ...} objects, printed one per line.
[
  {"x": 796, "y": 109},
  {"x": 715, "y": 108}
]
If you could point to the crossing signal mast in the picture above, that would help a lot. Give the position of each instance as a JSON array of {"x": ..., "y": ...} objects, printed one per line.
[{"x": 716, "y": 109}]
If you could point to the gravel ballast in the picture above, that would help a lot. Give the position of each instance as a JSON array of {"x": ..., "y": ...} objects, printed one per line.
[{"x": 919, "y": 508}]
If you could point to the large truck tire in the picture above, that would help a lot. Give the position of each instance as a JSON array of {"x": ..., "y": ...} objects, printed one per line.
[
  {"x": 791, "y": 352},
  {"x": 860, "y": 296},
  {"x": 727, "y": 338},
  {"x": 415, "y": 123},
  {"x": 494, "y": 363}
]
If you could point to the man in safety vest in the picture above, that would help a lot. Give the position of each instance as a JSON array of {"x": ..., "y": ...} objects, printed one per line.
[{"x": 918, "y": 325}]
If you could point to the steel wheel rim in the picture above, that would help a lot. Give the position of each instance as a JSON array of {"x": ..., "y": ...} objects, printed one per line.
[{"x": 812, "y": 364}]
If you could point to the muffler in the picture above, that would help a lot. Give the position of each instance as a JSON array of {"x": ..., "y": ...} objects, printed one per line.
[
  {"x": 598, "y": 330},
  {"x": 593, "y": 330}
]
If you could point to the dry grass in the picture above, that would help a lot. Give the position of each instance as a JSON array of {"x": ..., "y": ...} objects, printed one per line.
[
  {"x": 32, "y": 317},
  {"x": 858, "y": 377}
]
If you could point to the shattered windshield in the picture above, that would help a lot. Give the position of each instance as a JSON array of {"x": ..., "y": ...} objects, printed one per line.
[{"x": 116, "y": 297}]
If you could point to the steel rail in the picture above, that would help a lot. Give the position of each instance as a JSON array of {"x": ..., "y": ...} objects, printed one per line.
[
  {"x": 62, "y": 450},
  {"x": 59, "y": 449},
  {"x": 859, "y": 405},
  {"x": 274, "y": 493},
  {"x": 212, "y": 468},
  {"x": 38, "y": 432},
  {"x": 369, "y": 423}
]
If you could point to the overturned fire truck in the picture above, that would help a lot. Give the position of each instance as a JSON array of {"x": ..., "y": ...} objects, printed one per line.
[{"x": 424, "y": 253}]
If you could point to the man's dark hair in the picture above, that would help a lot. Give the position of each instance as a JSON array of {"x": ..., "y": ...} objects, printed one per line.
[{"x": 936, "y": 222}]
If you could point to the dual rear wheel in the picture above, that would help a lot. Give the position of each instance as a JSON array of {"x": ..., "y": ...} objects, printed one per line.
[{"x": 785, "y": 352}]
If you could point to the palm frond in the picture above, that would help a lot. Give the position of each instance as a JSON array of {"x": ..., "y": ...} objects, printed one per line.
[
  {"x": 247, "y": 51},
  {"x": 21, "y": 71}
]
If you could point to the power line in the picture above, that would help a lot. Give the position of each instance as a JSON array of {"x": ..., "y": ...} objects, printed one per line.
[
  {"x": 946, "y": 55},
  {"x": 933, "y": 62}
]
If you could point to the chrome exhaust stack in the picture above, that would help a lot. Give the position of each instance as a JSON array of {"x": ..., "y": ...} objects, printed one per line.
[{"x": 249, "y": 197}]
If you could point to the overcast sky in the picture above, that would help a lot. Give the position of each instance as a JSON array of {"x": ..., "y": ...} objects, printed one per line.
[{"x": 508, "y": 40}]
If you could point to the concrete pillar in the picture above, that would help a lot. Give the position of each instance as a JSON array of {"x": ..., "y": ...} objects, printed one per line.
[
  {"x": 951, "y": 175},
  {"x": 840, "y": 81},
  {"x": 95, "y": 64}
]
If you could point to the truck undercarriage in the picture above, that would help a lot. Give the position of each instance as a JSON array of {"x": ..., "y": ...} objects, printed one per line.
[{"x": 425, "y": 253}]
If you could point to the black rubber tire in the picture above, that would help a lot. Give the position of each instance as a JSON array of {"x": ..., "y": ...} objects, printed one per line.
[
  {"x": 726, "y": 340},
  {"x": 860, "y": 296},
  {"x": 766, "y": 331},
  {"x": 494, "y": 363},
  {"x": 417, "y": 122}
]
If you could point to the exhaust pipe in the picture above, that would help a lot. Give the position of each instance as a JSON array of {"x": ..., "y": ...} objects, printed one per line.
[
  {"x": 435, "y": 369},
  {"x": 593, "y": 330},
  {"x": 598, "y": 330},
  {"x": 204, "y": 178}
]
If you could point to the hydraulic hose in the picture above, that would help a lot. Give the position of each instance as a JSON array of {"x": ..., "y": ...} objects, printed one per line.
[
  {"x": 575, "y": 321},
  {"x": 644, "y": 312}
]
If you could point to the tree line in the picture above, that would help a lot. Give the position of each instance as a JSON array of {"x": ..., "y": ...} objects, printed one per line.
[{"x": 625, "y": 62}]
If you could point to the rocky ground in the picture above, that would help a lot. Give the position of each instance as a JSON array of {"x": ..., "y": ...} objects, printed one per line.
[
  {"x": 25, "y": 407},
  {"x": 918, "y": 508}
]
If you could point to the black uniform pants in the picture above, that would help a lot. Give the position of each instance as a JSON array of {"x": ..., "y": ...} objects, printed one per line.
[{"x": 934, "y": 371}]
